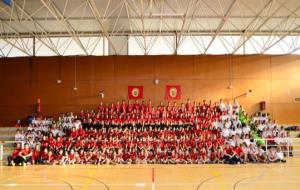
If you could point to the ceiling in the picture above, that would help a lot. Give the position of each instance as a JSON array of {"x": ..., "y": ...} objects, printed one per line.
[{"x": 109, "y": 18}]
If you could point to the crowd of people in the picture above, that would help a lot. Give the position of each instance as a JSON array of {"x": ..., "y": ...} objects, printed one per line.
[{"x": 140, "y": 133}]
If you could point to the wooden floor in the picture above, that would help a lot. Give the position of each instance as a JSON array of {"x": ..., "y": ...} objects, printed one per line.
[{"x": 140, "y": 177}]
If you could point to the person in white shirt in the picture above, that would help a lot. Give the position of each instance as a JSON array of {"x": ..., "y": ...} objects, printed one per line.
[
  {"x": 227, "y": 124},
  {"x": 247, "y": 140},
  {"x": 264, "y": 134},
  {"x": 239, "y": 130},
  {"x": 235, "y": 106},
  {"x": 260, "y": 126},
  {"x": 272, "y": 155},
  {"x": 262, "y": 155},
  {"x": 245, "y": 152},
  {"x": 225, "y": 132},
  {"x": 253, "y": 153},
  {"x": 18, "y": 136},
  {"x": 224, "y": 117},
  {"x": 229, "y": 108},
  {"x": 289, "y": 142},
  {"x": 236, "y": 122},
  {"x": 232, "y": 131},
  {"x": 246, "y": 129},
  {"x": 222, "y": 106},
  {"x": 279, "y": 155},
  {"x": 232, "y": 141}
]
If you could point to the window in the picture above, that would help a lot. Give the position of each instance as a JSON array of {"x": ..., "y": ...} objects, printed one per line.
[{"x": 151, "y": 45}]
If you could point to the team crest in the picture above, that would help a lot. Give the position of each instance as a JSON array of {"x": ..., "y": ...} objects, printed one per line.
[
  {"x": 135, "y": 92},
  {"x": 173, "y": 92}
]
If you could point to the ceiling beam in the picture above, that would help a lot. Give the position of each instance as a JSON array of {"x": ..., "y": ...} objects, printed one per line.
[
  {"x": 178, "y": 36},
  {"x": 150, "y": 33},
  {"x": 40, "y": 27},
  {"x": 152, "y": 17},
  {"x": 294, "y": 50},
  {"x": 30, "y": 32},
  {"x": 286, "y": 34},
  {"x": 248, "y": 34},
  {"x": 222, "y": 23},
  {"x": 98, "y": 17},
  {"x": 60, "y": 17}
]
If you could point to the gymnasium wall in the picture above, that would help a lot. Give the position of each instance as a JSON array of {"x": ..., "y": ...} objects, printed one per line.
[{"x": 274, "y": 79}]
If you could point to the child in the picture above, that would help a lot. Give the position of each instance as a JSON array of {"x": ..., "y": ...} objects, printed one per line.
[
  {"x": 71, "y": 157},
  {"x": 172, "y": 158},
  {"x": 44, "y": 156},
  {"x": 50, "y": 159},
  {"x": 142, "y": 158},
  {"x": 10, "y": 159},
  {"x": 280, "y": 155},
  {"x": 36, "y": 155},
  {"x": 80, "y": 158},
  {"x": 24, "y": 156},
  {"x": 262, "y": 156},
  {"x": 95, "y": 157},
  {"x": 60, "y": 159}
]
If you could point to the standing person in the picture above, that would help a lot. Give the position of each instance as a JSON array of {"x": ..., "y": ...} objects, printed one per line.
[{"x": 235, "y": 106}]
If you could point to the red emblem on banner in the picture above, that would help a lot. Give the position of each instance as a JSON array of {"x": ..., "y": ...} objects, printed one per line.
[
  {"x": 173, "y": 92},
  {"x": 135, "y": 92}
]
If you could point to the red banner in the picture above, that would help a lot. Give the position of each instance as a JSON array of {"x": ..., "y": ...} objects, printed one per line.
[
  {"x": 173, "y": 92},
  {"x": 135, "y": 92},
  {"x": 38, "y": 106}
]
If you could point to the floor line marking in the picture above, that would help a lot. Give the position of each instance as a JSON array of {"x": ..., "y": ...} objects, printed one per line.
[
  {"x": 145, "y": 184},
  {"x": 153, "y": 180}
]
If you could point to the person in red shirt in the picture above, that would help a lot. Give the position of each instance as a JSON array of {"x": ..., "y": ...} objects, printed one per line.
[
  {"x": 50, "y": 159},
  {"x": 239, "y": 152},
  {"x": 94, "y": 158},
  {"x": 230, "y": 156},
  {"x": 71, "y": 157},
  {"x": 180, "y": 157},
  {"x": 113, "y": 157},
  {"x": 204, "y": 156},
  {"x": 187, "y": 157},
  {"x": 103, "y": 157},
  {"x": 44, "y": 156},
  {"x": 24, "y": 155},
  {"x": 60, "y": 159},
  {"x": 10, "y": 159},
  {"x": 173, "y": 157},
  {"x": 129, "y": 107},
  {"x": 119, "y": 157},
  {"x": 36, "y": 155},
  {"x": 80, "y": 159},
  {"x": 213, "y": 156},
  {"x": 133, "y": 156},
  {"x": 81, "y": 132},
  {"x": 142, "y": 158},
  {"x": 67, "y": 143},
  {"x": 164, "y": 157},
  {"x": 150, "y": 157},
  {"x": 58, "y": 143},
  {"x": 74, "y": 133},
  {"x": 136, "y": 106},
  {"x": 127, "y": 157},
  {"x": 194, "y": 157},
  {"x": 45, "y": 142}
]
